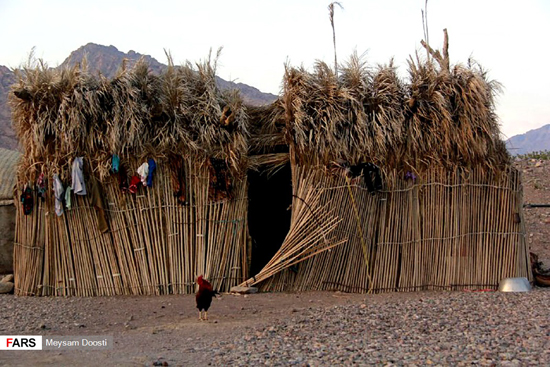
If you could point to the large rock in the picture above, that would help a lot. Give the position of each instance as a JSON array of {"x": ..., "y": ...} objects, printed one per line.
[
  {"x": 7, "y": 278},
  {"x": 244, "y": 290},
  {"x": 6, "y": 287}
]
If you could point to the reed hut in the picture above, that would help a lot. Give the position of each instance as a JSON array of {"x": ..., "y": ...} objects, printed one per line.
[
  {"x": 354, "y": 179},
  {"x": 130, "y": 185},
  {"x": 397, "y": 185}
]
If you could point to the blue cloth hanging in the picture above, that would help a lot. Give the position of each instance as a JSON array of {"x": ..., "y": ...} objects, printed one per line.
[
  {"x": 115, "y": 163},
  {"x": 152, "y": 167}
]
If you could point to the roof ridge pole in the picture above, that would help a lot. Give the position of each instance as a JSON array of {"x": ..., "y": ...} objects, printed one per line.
[
  {"x": 443, "y": 61},
  {"x": 425, "y": 25},
  {"x": 331, "y": 16}
]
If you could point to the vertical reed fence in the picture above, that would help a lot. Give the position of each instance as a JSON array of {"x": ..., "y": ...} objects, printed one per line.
[
  {"x": 154, "y": 245},
  {"x": 444, "y": 230}
]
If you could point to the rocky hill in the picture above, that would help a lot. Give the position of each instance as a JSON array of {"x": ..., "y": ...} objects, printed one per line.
[
  {"x": 536, "y": 140},
  {"x": 536, "y": 191},
  {"x": 107, "y": 60}
]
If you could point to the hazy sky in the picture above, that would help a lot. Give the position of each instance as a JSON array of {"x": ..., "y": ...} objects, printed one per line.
[{"x": 508, "y": 38}]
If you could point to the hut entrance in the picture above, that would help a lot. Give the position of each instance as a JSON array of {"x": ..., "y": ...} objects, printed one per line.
[{"x": 270, "y": 196}]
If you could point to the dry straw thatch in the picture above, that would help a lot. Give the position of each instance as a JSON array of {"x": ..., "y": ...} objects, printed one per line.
[
  {"x": 59, "y": 115},
  {"x": 443, "y": 116}
]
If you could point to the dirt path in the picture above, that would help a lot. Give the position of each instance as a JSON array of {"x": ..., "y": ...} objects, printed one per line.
[
  {"x": 150, "y": 328},
  {"x": 314, "y": 328}
]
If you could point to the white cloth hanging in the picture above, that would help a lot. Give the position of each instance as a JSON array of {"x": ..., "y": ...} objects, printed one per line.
[
  {"x": 143, "y": 171},
  {"x": 78, "y": 185},
  {"x": 58, "y": 191}
]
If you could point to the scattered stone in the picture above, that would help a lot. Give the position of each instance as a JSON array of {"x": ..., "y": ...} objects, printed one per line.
[
  {"x": 6, "y": 287},
  {"x": 160, "y": 363},
  {"x": 244, "y": 290},
  {"x": 7, "y": 278}
]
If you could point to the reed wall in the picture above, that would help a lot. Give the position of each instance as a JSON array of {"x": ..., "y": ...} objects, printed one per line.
[
  {"x": 442, "y": 231},
  {"x": 154, "y": 245}
]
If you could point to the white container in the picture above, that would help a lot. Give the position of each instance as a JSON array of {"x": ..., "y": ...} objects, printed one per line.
[{"x": 514, "y": 285}]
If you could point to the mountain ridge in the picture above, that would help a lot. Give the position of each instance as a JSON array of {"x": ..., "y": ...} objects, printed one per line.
[
  {"x": 536, "y": 140},
  {"x": 108, "y": 59}
]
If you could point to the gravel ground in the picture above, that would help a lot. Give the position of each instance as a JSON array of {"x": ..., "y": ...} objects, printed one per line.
[
  {"x": 315, "y": 329},
  {"x": 441, "y": 329}
]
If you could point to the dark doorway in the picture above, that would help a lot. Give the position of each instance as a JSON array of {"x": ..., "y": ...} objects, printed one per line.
[{"x": 270, "y": 197}]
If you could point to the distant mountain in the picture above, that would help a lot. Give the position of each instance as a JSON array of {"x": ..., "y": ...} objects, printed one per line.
[
  {"x": 532, "y": 141},
  {"x": 107, "y": 60}
]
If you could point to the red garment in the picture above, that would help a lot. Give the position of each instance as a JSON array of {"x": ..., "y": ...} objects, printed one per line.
[
  {"x": 27, "y": 200},
  {"x": 122, "y": 177},
  {"x": 134, "y": 181}
]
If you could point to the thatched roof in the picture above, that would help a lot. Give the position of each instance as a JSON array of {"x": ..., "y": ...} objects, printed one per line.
[
  {"x": 8, "y": 167},
  {"x": 442, "y": 115},
  {"x": 59, "y": 115}
]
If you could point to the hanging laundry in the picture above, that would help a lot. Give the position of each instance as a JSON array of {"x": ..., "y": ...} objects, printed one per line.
[
  {"x": 371, "y": 175},
  {"x": 143, "y": 171},
  {"x": 134, "y": 181},
  {"x": 410, "y": 176},
  {"x": 220, "y": 187},
  {"x": 41, "y": 187},
  {"x": 78, "y": 185},
  {"x": 27, "y": 200},
  {"x": 58, "y": 192},
  {"x": 96, "y": 196},
  {"x": 122, "y": 177},
  {"x": 68, "y": 191},
  {"x": 115, "y": 163},
  {"x": 178, "y": 179},
  {"x": 152, "y": 167}
]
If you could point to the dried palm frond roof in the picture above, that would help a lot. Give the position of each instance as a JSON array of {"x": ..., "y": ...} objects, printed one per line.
[
  {"x": 441, "y": 116},
  {"x": 61, "y": 114}
]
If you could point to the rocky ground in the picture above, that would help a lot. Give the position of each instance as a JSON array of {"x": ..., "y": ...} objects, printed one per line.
[
  {"x": 536, "y": 190},
  {"x": 315, "y": 328}
]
